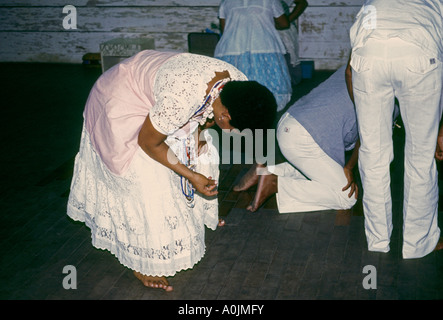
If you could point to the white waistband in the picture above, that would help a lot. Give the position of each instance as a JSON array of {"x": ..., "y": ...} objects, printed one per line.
[{"x": 389, "y": 49}]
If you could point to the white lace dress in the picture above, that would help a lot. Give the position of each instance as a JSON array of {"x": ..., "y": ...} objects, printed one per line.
[{"x": 138, "y": 211}]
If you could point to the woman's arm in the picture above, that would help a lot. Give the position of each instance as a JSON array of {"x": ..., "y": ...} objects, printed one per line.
[
  {"x": 348, "y": 78},
  {"x": 300, "y": 6},
  {"x": 222, "y": 25},
  {"x": 281, "y": 22},
  {"x": 284, "y": 21},
  {"x": 348, "y": 169},
  {"x": 153, "y": 144}
]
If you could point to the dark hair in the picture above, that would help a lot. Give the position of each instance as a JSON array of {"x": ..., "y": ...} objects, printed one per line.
[{"x": 250, "y": 104}]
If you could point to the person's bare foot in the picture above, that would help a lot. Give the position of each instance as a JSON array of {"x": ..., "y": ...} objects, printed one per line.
[
  {"x": 249, "y": 179},
  {"x": 221, "y": 222},
  {"x": 439, "y": 245},
  {"x": 267, "y": 186},
  {"x": 154, "y": 282}
]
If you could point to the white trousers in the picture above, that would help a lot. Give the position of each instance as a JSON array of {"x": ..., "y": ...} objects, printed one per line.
[
  {"x": 310, "y": 180},
  {"x": 383, "y": 70}
]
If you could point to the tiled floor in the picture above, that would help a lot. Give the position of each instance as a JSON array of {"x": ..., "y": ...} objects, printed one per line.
[{"x": 260, "y": 256}]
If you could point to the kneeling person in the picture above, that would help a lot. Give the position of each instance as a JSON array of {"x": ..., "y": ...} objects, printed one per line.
[{"x": 313, "y": 136}]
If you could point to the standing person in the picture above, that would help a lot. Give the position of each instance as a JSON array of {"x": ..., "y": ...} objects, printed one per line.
[
  {"x": 313, "y": 136},
  {"x": 251, "y": 43},
  {"x": 290, "y": 40},
  {"x": 144, "y": 182},
  {"x": 397, "y": 52}
]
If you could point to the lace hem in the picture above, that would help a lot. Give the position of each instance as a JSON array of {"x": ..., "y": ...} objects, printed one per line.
[
  {"x": 141, "y": 217},
  {"x": 140, "y": 259}
]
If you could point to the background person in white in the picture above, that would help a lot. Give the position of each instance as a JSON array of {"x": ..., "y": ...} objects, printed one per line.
[{"x": 397, "y": 51}]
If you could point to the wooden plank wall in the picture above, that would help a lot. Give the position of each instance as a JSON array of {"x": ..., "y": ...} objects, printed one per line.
[
  {"x": 324, "y": 32},
  {"x": 32, "y": 30}
]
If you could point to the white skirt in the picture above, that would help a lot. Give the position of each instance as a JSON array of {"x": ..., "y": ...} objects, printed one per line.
[{"x": 142, "y": 217}]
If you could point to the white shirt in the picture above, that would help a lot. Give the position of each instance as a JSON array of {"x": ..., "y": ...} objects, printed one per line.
[
  {"x": 250, "y": 27},
  {"x": 416, "y": 21}
]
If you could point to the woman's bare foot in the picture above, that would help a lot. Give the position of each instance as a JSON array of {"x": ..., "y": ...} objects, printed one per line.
[
  {"x": 154, "y": 282},
  {"x": 249, "y": 179},
  {"x": 221, "y": 222},
  {"x": 267, "y": 186}
]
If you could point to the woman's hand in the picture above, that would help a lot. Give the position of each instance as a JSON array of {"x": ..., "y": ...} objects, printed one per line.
[
  {"x": 348, "y": 170},
  {"x": 351, "y": 183},
  {"x": 203, "y": 185},
  {"x": 439, "y": 148}
]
